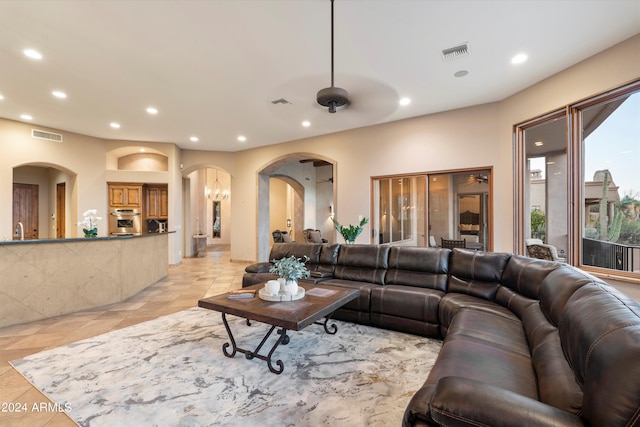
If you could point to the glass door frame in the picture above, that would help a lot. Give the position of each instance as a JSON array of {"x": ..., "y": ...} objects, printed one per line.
[{"x": 375, "y": 209}]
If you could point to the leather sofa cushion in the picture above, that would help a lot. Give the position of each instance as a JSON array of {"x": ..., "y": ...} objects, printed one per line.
[
  {"x": 557, "y": 383},
  {"x": 467, "y": 265},
  {"x": 328, "y": 258},
  {"x": 416, "y": 266},
  {"x": 486, "y": 363},
  {"x": 476, "y": 288},
  {"x": 461, "y": 401},
  {"x": 452, "y": 304},
  {"x": 490, "y": 329},
  {"x": 524, "y": 275},
  {"x": 476, "y": 273},
  {"x": 397, "y": 323},
  {"x": 299, "y": 250},
  {"x": 259, "y": 267},
  {"x": 558, "y": 287},
  {"x": 600, "y": 334},
  {"x": 249, "y": 279},
  {"x": 406, "y": 301},
  {"x": 362, "y": 263},
  {"x": 363, "y": 302}
]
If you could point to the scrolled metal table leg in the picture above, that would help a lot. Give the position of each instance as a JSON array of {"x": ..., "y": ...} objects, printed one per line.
[
  {"x": 282, "y": 339},
  {"x": 233, "y": 342},
  {"x": 334, "y": 328}
]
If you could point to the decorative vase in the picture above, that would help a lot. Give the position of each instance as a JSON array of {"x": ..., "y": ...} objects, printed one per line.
[
  {"x": 90, "y": 233},
  {"x": 291, "y": 287}
]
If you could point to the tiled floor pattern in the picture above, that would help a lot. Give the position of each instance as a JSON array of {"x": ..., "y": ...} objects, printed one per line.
[{"x": 193, "y": 279}]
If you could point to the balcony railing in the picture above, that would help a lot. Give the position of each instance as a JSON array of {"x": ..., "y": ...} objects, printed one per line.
[{"x": 598, "y": 253}]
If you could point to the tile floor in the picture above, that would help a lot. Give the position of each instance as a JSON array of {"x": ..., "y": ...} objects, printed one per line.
[{"x": 185, "y": 284}]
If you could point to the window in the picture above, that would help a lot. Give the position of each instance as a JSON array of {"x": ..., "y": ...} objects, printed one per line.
[
  {"x": 577, "y": 182},
  {"x": 545, "y": 212},
  {"x": 609, "y": 142},
  {"x": 422, "y": 209}
]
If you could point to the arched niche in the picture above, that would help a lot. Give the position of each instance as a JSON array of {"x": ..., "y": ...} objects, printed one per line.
[{"x": 137, "y": 158}]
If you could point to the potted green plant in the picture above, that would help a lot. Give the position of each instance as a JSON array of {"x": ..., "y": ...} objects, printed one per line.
[
  {"x": 350, "y": 233},
  {"x": 290, "y": 269}
]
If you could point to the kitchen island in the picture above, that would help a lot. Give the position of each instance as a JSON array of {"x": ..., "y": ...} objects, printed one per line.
[{"x": 46, "y": 278}]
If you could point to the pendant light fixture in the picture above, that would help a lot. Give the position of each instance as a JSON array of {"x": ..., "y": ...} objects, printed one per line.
[
  {"x": 217, "y": 187},
  {"x": 332, "y": 97}
]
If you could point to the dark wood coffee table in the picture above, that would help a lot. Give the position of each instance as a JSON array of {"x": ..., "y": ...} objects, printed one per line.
[{"x": 319, "y": 302}]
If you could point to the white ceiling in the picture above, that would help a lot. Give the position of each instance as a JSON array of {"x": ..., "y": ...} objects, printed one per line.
[{"x": 213, "y": 67}]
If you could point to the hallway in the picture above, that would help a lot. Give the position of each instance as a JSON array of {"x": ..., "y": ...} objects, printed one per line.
[{"x": 185, "y": 284}]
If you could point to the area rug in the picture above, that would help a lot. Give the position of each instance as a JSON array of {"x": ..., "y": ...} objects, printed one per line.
[{"x": 171, "y": 372}]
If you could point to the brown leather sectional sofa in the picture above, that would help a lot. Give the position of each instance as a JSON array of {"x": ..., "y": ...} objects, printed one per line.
[{"x": 526, "y": 341}]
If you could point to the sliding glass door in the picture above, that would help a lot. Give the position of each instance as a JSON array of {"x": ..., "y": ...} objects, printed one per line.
[
  {"x": 399, "y": 210},
  {"x": 422, "y": 209}
]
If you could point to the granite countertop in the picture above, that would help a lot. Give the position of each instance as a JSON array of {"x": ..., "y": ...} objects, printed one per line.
[{"x": 79, "y": 239}]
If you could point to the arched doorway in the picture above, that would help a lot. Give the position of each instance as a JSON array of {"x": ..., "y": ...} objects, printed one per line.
[
  {"x": 207, "y": 206},
  {"x": 311, "y": 179},
  {"x": 44, "y": 202},
  {"x": 286, "y": 201}
]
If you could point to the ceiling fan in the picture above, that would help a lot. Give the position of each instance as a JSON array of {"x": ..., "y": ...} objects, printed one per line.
[
  {"x": 332, "y": 97},
  {"x": 479, "y": 178}
]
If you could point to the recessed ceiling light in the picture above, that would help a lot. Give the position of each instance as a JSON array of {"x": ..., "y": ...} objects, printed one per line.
[
  {"x": 306, "y": 123},
  {"x": 115, "y": 125},
  {"x": 142, "y": 150},
  {"x": 1, "y": 97},
  {"x": 404, "y": 101},
  {"x": 519, "y": 58},
  {"x": 152, "y": 110},
  {"x": 194, "y": 139},
  {"x": 26, "y": 117},
  {"x": 33, "y": 54},
  {"x": 538, "y": 143},
  {"x": 59, "y": 94},
  {"x": 460, "y": 73},
  {"x": 242, "y": 138}
]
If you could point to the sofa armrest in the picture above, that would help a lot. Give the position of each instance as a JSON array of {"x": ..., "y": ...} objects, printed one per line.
[
  {"x": 460, "y": 401},
  {"x": 259, "y": 267}
]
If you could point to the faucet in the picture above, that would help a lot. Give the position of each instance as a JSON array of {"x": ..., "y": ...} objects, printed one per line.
[{"x": 20, "y": 228}]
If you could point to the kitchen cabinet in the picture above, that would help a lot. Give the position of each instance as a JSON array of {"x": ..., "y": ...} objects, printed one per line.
[
  {"x": 125, "y": 195},
  {"x": 156, "y": 202}
]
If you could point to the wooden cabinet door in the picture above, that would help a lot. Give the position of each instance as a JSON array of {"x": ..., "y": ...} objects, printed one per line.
[
  {"x": 125, "y": 196},
  {"x": 117, "y": 196},
  {"x": 164, "y": 203},
  {"x": 25, "y": 210},
  {"x": 134, "y": 196},
  {"x": 152, "y": 203}
]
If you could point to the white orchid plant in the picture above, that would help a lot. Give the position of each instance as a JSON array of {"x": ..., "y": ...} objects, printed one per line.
[{"x": 89, "y": 223}]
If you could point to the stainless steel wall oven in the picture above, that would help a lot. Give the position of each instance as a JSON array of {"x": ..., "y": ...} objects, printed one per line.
[{"x": 125, "y": 222}]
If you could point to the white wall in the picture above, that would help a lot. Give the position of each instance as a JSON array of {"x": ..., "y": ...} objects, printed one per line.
[{"x": 77, "y": 155}]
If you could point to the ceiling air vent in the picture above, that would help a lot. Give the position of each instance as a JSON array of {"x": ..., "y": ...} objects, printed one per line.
[
  {"x": 280, "y": 101},
  {"x": 40, "y": 134},
  {"x": 455, "y": 52}
]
